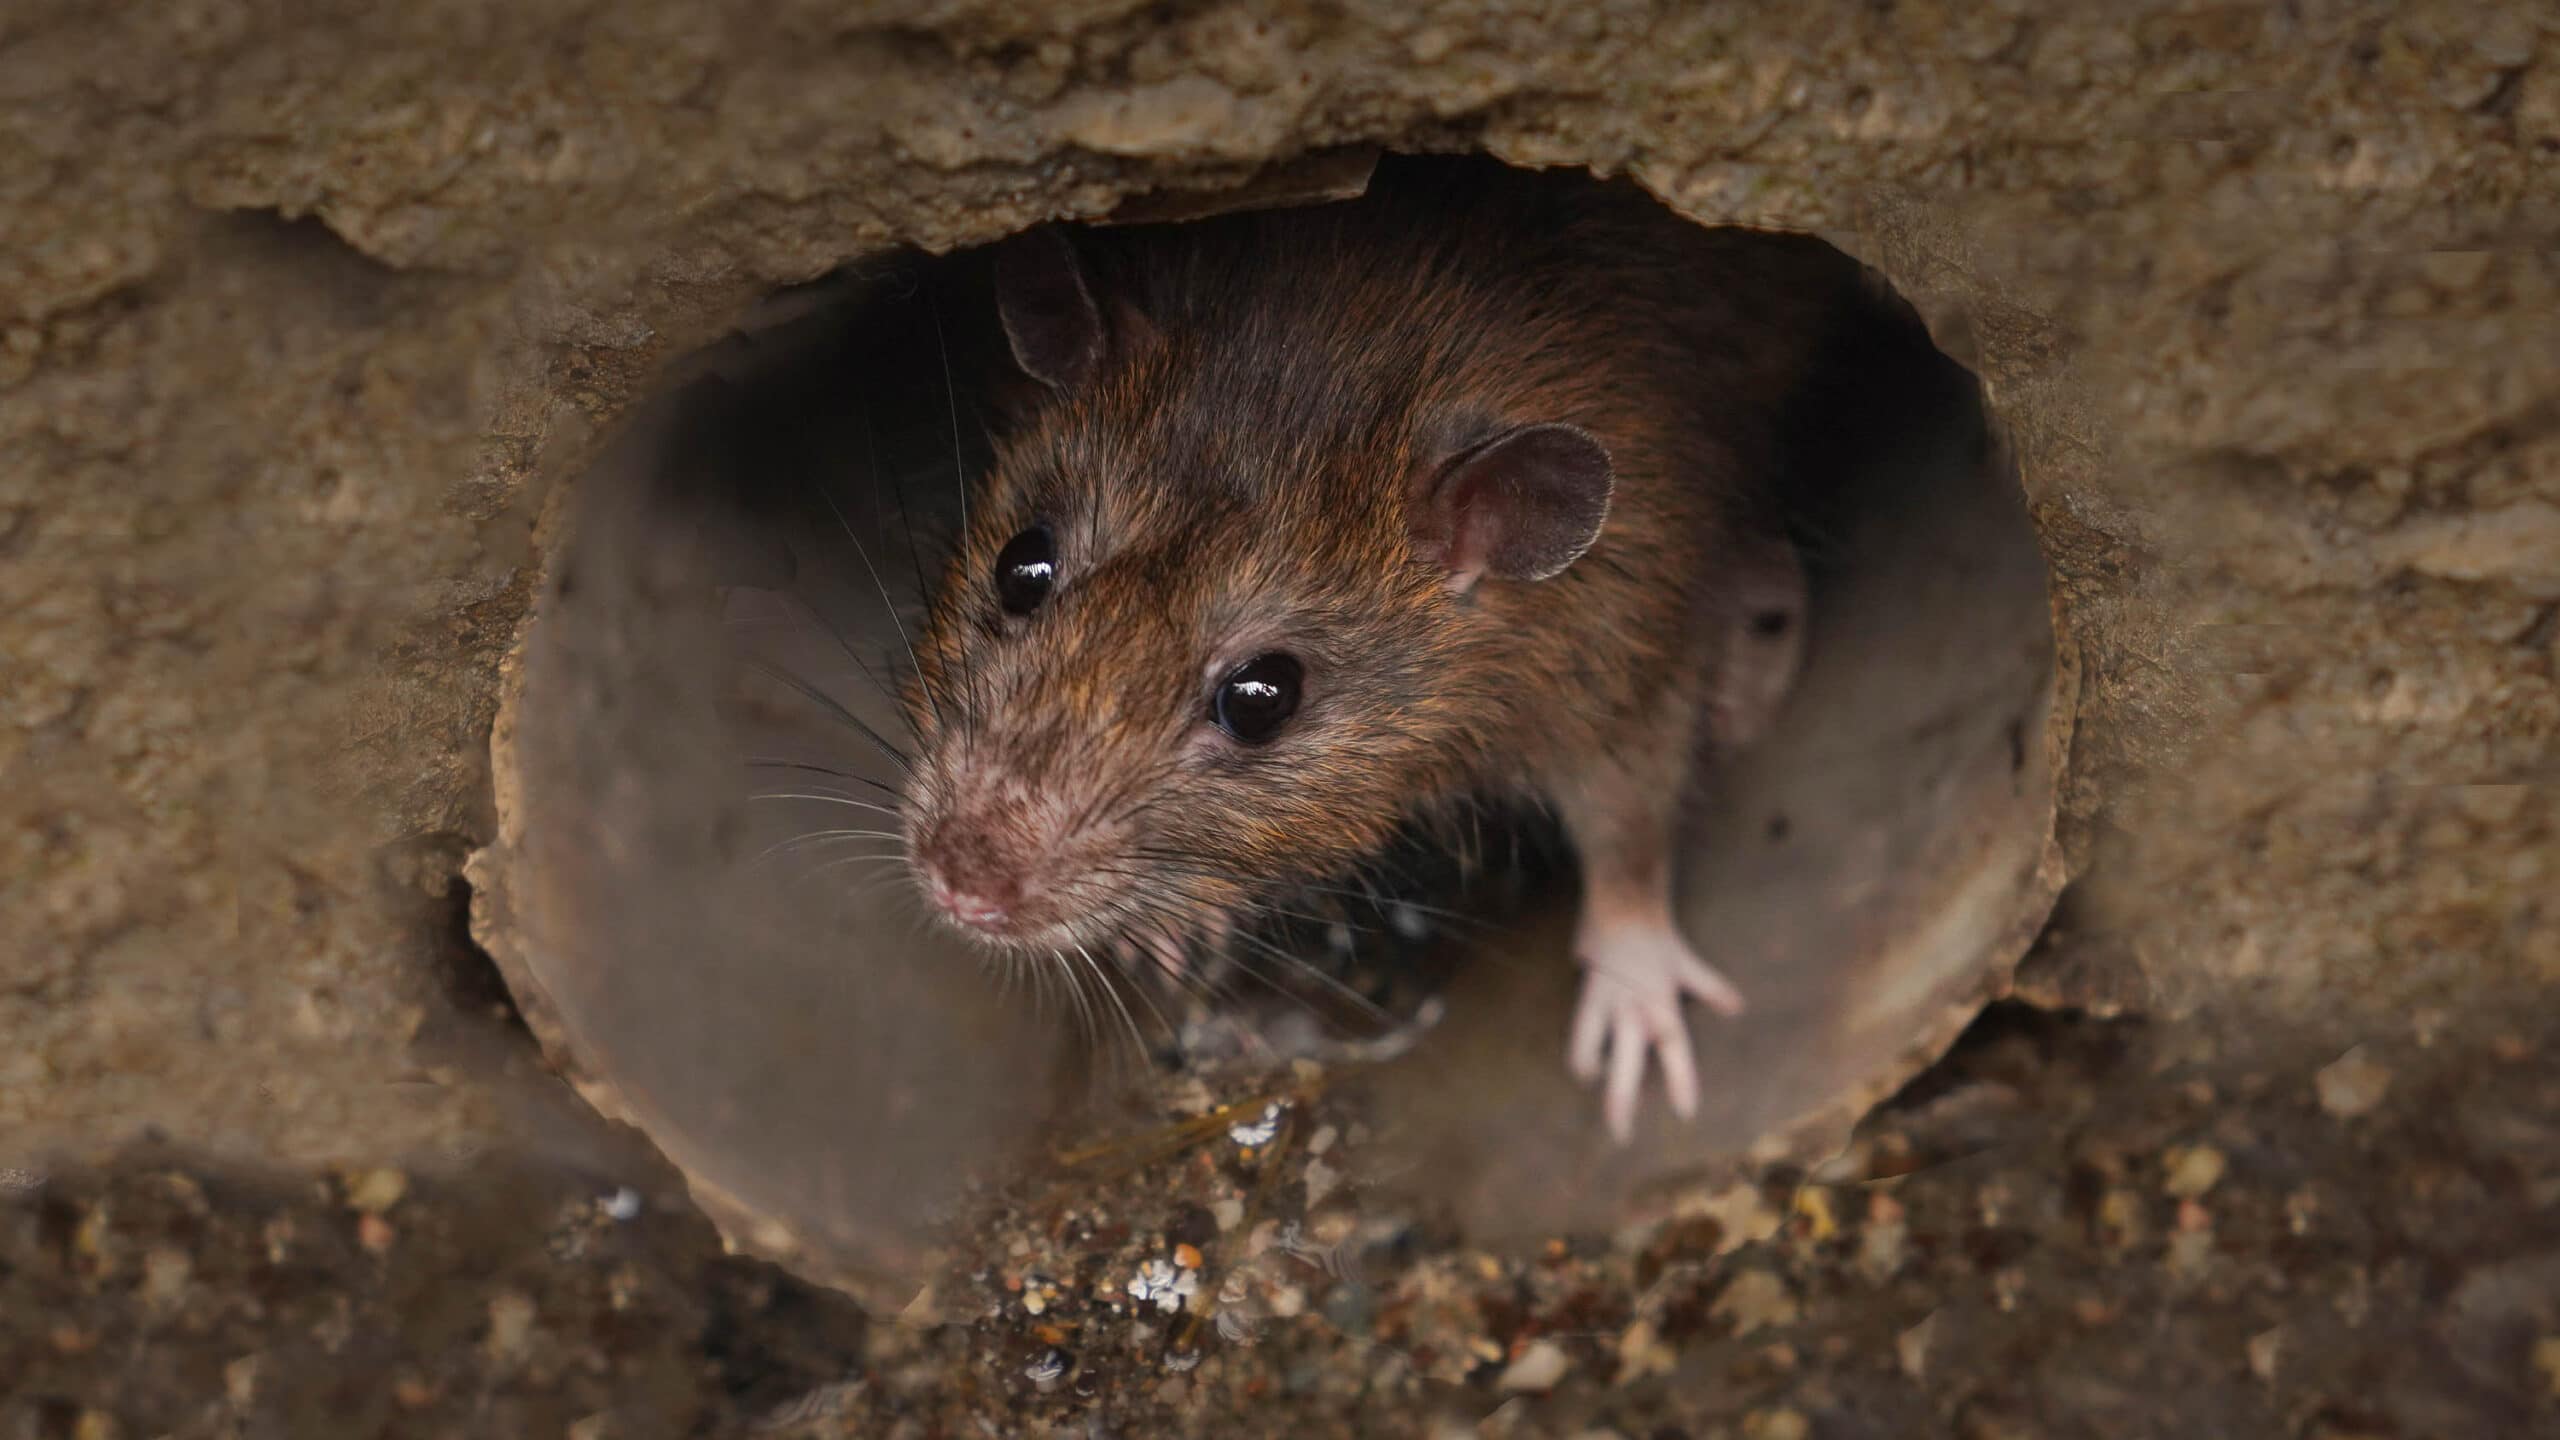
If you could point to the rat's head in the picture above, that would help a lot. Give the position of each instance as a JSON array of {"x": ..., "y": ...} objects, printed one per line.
[{"x": 1210, "y": 629}]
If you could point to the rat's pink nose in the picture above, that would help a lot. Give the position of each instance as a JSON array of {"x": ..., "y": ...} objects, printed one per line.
[
  {"x": 970, "y": 908},
  {"x": 977, "y": 895}
]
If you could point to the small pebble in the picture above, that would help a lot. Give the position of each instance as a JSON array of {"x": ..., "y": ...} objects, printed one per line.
[
  {"x": 623, "y": 1204},
  {"x": 1642, "y": 1353},
  {"x": 165, "y": 1272},
  {"x": 1229, "y": 1213},
  {"x": 1160, "y": 1282},
  {"x": 1253, "y": 1134},
  {"x": 510, "y": 1324},
  {"x": 189, "y": 1195},
  {"x": 2192, "y": 1244},
  {"x": 2266, "y": 1350},
  {"x": 1911, "y": 1347},
  {"x": 372, "y": 1192},
  {"x": 1814, "y": 1205},
  {"x": 375, "y": 1233},
  {"x": 1778, "y": 1424},
  {"x": 2353, "y": 1084},
  {"x": 1884, "y": 1245},
  {"x": 2192, "y": 1170},
  {"x": 93, "y": 1242},
  {"x": 2120, "y": 1222},
  {"x": 2546, "y": 1359},
  {"x": 1538, "y": 1369},
  {"x": 240, "y": 1382},
  {"x": 1321, "y": 1179},
  {"x": 1755, "y": 1300},
  {"x": 1048, "y": 1367}
]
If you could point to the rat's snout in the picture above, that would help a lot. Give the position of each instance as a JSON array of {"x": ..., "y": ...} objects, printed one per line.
[
  {"x": 1002, "y": 858},
  {"x": 973, "y": 881}
]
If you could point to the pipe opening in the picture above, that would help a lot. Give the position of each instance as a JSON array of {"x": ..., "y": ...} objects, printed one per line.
[{"x": 708, "y": 764}]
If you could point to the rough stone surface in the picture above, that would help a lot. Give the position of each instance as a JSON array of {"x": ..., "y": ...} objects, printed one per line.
[{"x": 302, "y": 310}]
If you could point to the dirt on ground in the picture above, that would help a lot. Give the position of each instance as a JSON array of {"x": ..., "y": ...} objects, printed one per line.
[{"x": 2072, "y": 1227}]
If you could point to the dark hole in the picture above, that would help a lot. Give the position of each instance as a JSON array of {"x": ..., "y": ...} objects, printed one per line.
[
  {"x": 752, "y": 1304},
  {"x": 2503, "y": 97},
  {"x": 2538, "y": 634},
  {"x": 55, "y": 1416},
  {"x": 1778, "y": 828},
  {"x": 2019, "y": 1045},
  {"x": 1770, "y": 623},
  {"x": 466, "y": 975},
  {"x": 469, "y": 975}
]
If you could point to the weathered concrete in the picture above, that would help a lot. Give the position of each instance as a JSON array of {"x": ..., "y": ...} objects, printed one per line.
[{"x": 301, "y": 312}]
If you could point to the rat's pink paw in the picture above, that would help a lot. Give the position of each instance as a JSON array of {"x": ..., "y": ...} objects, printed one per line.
[{"x": 1632, "y": 986}]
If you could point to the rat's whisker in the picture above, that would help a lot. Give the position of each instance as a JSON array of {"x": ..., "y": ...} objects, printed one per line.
[
  {"x": 834, "y": 707},
  {"x": 1211, "y": 993},
  {"x": 898, "y": 489},
  {"x": 1143, "y": 997},
  {"x": 821, "y": 799},
  {"x": 885, "y": 603},
  {"x": 822, "y": 840},
  {"x": 1111, "y": 992},
  {"x": 886, "y": 690},
  {"x": 768, "y": 762},
  {"x": 1366, "y": 1006},
  {"x": 951, "y": 399}
]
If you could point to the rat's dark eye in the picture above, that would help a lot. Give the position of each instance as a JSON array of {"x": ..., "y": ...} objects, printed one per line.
[
  {"x": 1024, "y": 569},
  {"x": 1257, "y": 697}
]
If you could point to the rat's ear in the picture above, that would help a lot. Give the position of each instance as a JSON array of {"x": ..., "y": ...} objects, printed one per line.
[
  {"x": 1048, "y": 311},
  {"x": 1521, "y": 506}
]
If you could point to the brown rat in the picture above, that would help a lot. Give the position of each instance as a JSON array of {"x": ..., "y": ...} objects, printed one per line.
[{"x": 1334, "y": 517}]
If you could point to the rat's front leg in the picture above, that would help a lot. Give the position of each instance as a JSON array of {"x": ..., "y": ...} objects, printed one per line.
[{"x": 1637, "y": 966}]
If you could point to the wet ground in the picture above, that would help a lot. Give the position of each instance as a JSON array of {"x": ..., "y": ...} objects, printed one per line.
[{"x": 2073, "y": 1227}]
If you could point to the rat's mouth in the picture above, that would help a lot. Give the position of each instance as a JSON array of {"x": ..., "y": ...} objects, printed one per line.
[{"x": 1069, "y": 915}]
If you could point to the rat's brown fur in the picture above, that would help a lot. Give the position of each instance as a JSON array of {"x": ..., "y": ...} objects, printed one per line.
[{"x": 1238, "y": 476}]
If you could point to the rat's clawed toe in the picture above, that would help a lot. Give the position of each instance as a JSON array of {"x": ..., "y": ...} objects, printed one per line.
[{"x": 1632, "y": 986}]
